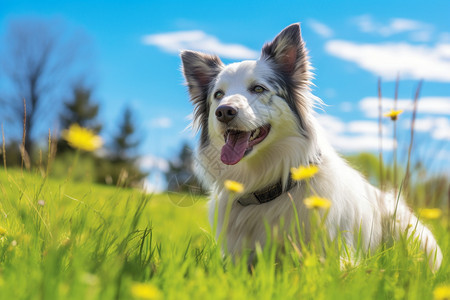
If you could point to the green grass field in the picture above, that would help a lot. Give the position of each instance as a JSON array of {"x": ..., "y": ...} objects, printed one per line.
[{"x": 66, "y": 240}]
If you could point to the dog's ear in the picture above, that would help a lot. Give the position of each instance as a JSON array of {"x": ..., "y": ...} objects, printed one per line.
[
  {"x": 289, "y": 58},
  {"x": 200, "y": 70},
  {"x": 287, "y": 51}
]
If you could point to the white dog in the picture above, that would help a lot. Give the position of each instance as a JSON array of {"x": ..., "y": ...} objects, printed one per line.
[{"x": 256, "y": 121}]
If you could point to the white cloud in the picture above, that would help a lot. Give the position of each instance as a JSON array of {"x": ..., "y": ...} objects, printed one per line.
[
  {"x": 331, "y": 124},
  {"x": 388, "y": 60},
  {"x": 441, "y": 130},
  {"x": 150, "y": 162},
  {"x": 362, "y": 135},
  {"x": 330, "y": 93},
  {"x": 346, "y": 106},
  {"x": 364, "y": 142},
  {"x": 421, "y": 125},
  {"x": 366, "y": 24},
  {"x": 398, "y": 25},
  {"x": 443, "y": 50},
  {"x": 444, "y": 37},
  {"x": 421, "y": 36},
  {"x": 320, "y": 28},
  {"x": 198, "y": 40},
  {"x": 335, "y": 126},
  {"x": 365, "y": 127},
  {"x": 162, "y": 122},
  {"x": 426, "y": 105},
  {"x": 438, "y": 128},
  {"x": 354, "y": 136}
]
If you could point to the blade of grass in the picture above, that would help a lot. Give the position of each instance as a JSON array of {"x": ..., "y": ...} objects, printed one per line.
[
  {"x": 4, "y": 150},
  {"x": 380, "y": 133},
  {"x": 395, "y": 137},
  {"x": 22, "y": 150},
  {"x": 411, "y": 142}
]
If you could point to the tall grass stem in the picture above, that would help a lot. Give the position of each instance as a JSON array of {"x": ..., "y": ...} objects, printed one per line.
[
  {"x": 4, "y": 149},
  {"x": 411, "y": 142},
  {"x": 380, "y": 133}
]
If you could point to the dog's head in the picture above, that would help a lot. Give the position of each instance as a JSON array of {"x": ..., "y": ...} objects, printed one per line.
[{"x": 245, "y": 107}]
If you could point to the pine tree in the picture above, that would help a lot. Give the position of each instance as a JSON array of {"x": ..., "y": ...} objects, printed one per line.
[
  {"x": 80, "y": 109},
  {"x": 180, "y": 176},
  {"x": 121, "y": 168},
  {"x": 125, "y": 142}
]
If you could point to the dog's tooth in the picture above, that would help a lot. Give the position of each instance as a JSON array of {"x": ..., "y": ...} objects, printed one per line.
[{"x": 254, "y": 135}]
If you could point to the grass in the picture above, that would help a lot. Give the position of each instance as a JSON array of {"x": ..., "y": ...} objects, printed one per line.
[{"x": 65, "y": 240}]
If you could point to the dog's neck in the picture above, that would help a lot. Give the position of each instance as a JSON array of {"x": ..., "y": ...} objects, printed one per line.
[
  {"x": 267, "y": 194},
  {"x": 271, "y": 192}
]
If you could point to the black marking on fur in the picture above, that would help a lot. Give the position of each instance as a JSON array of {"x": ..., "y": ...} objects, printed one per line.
[
  {"x": 289, "y": 93},
  {"x": 288, "y": 57},
  {"x": 200, "y": 71}
]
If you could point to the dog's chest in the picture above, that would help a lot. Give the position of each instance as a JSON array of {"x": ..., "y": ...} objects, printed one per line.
[{"x": 249, "y": 225}]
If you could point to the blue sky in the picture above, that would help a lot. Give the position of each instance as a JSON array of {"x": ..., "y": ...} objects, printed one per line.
[{"x": 351, "y": 44}]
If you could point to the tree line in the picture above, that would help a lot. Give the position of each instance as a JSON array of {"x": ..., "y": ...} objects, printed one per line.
[
  {"x": 45, "y": 74},
  {"x": 44, "y": 77}
]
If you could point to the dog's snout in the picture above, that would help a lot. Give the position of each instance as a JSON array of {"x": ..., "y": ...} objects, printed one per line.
[{"x": 226, "y": 113}]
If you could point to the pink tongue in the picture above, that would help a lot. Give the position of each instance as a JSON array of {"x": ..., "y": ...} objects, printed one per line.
[{"x": 234, "y": 149}]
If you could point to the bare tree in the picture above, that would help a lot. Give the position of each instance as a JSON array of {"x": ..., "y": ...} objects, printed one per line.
[{"x": 40, "y": 58}]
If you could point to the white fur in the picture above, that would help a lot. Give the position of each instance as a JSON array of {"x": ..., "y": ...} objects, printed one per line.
[{"x": 357, "y": 208}]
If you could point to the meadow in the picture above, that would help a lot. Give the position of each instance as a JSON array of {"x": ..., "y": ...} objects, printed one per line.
[{"x": 61, "y": 239}]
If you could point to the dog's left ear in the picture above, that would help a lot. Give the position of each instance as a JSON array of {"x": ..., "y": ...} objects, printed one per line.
[
  {"x": 287, "y": 51},
  {"x": 200, "y": 70}
]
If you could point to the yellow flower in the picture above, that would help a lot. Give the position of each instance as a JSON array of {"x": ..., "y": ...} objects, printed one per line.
[
  {"x": 82, "y": 138},
  {"x": 3, "y": 231},
  {"x": 145, "y": 291},
  {"x": 234, "y": 186},
  {"x": 430, "y": 213},
  {"x": 302, "y": 172},
  {"x": 442, "y": 292},
  {"x": 393, "y": 114},
  {"x": 317, "y": 202}
]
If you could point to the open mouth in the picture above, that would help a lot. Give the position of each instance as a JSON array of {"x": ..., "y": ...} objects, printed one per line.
[{"x": 240, "y": 143}]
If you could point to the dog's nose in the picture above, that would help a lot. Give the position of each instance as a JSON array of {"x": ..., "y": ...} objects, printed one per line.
[{"x": 226, "y": 113}]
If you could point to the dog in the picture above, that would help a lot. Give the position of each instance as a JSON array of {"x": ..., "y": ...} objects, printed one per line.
[{"x": 256, "y": 122}]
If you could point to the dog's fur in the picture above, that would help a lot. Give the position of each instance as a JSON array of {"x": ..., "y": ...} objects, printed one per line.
[{"x": 295, "y": 138}]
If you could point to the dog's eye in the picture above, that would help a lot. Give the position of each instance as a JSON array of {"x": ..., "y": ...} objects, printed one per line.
[
  {"x": 219, "y": 95},
  {"x": 258, "y": 89}
]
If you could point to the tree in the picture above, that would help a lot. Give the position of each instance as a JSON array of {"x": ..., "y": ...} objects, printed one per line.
[
  {"x": 120, "y": 167},
  {"x": 125, "y": 142},
  {"x": 81, "y": 110},
  {"x": 40, "y": 57},
  {"x": 180, "y": 176}
]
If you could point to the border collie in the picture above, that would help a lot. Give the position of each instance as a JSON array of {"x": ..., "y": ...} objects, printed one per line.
[{"x": 256, "y": 122}]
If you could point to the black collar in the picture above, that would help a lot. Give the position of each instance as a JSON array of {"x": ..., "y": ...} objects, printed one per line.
[
  {"x": 267, "y": 194},
  {"x": 272, "y": 192}
]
